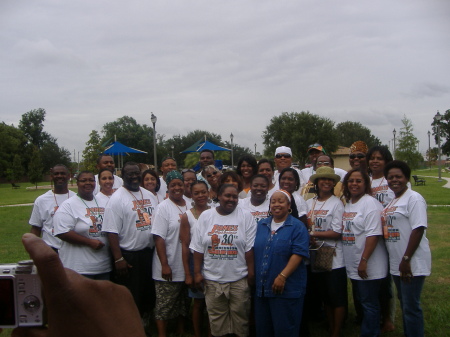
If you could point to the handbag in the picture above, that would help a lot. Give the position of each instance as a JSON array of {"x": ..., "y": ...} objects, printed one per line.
[{"x": 322, "y": 258}]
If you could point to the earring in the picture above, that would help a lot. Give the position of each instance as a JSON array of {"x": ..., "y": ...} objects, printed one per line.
[
  {"x": 290, "y": 210},
  {"x": 192, "y": 203},
  {"x": 269, "y": 212}
]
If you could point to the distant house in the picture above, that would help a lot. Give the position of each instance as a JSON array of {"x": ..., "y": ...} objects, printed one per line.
[{"x": 340, "y": 157}]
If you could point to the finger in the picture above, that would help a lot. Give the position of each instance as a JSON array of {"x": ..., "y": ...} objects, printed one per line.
[{"x": 50, "y": 268}]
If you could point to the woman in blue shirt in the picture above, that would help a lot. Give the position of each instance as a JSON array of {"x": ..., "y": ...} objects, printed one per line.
[{"x": 281, "y": 244}]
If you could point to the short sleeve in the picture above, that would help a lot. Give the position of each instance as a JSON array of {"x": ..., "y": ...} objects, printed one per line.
[
  {"x": 417, "y": 208},
  {"x": 63, "y": 220}
]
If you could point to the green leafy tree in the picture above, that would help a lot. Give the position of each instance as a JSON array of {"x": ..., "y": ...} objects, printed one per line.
[
  {"x": 130, "y": 133},
  {"x": 35, "y": 167},
  {"x": 32, "y": 126},
  {"x": 16, "y": 171},
  {"x": 444, "y": 132},
  {"x": 52, "y": 154},
  {"x": 298, "y": 130},
  {"x": 349, "y": 132},
  {"x": 92, "y": 151},
  {"x": 432, "y": 155},
  {"x": 12, "y": 143},
  {"x": 407, "y": 145}
]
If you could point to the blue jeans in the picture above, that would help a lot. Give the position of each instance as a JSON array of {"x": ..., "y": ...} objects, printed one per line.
[
  {"x": 409, "y": 296},
  {"x": 278, "y": 317},
  {"x": 368, "y": 292}
]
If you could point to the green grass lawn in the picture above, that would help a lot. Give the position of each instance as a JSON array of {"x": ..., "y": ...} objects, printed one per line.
[
  {"x": 436, "y": 292},
  {"x": 22, "y": 195}
]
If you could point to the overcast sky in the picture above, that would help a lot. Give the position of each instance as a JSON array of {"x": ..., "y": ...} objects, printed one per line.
[{"x": 224, "y": 66}]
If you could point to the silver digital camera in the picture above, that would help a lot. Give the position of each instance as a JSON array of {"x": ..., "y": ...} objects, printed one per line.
[{"x": 20, "y": 295}]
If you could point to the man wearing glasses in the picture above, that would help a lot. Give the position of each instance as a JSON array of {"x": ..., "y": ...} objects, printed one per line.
[{"x": 283, "y": 159}]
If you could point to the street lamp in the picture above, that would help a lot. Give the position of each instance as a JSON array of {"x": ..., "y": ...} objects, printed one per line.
[
  {"x": 429, "y": 149},
  {"x": 394, "y": 132},
  {"x": 172, "y": 150},
  {"x": 438, "y": 118},
  {"x": 255, "y": 149},
  {"x": 154, "y": 119},
  {"x": 232, "y": 160}
]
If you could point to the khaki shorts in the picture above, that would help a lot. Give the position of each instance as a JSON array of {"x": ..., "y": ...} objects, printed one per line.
[
  {"x": 228, "y": 306},
  {"x": 171, "y": 300}
]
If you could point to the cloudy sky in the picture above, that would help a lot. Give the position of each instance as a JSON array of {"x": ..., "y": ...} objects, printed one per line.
[{"x": 224, "y": 66}]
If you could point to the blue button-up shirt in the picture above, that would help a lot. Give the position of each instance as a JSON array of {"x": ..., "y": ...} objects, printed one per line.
[{"x": 272, "y": 253}]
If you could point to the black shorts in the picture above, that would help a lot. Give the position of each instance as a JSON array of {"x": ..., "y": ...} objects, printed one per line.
[{"x": 333, "y": 285}]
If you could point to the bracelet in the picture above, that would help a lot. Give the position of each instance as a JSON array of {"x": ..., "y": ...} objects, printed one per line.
[
  {"x": 363, "y": 258},
  {"x": 118, "y": 260},
  {"x": 283, "y": 276}
]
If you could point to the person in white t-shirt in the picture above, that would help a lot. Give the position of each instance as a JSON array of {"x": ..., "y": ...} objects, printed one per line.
[
  {"x": 151, "y": 182},
  {"x": 258, "y": 203},
  {"x": 105, "y": 161},
  {"x": 365, "y": 254},
  {"x": 266, "y": 168},
  {"x": 199, "y": 192},
  {"x": 405, "y": 223},
  {"x": 46, "y": 205},
  {"x": 128, "y": 221},
  {"x": 283, "y": 159},
  {"x": 325, "y": 221},
  {"x": 168, "y": 164},
  {"x": 189, "y": 178},
  {"x": 223, "y": 261},
  {"x": 78, "y": 223},
  {"x": 105, "y": 179},
  {"x": 290, "y": 181},
  {"x": 168, "y": 271}
]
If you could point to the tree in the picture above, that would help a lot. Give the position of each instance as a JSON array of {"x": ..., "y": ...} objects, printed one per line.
[
  {"x": 444, "y": 132},
  {"x": 92, "y": 151},
  {"x": 32, "y": 125},
  {"x": 12, "y": 143},
  {"x": 432, "y": 155},
  {"x": 130, "y": 133},
  {"x": 407, "y": 145},
  {"x": 349, "y": 132},
  {"x": 52, "y": 154},
  {"x": 15, "y": 172},
  {"x": 298, "y": 130},
  {"x": 35, "y": 167}
]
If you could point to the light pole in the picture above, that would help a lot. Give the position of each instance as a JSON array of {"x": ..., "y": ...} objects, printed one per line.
[
  {"x": 232, "y": 159},
  {"x": 255, "y": 149},
  {"x": 438, "y": 118},
  {"x": 172, "y": 150},
  {"x": 429, "y": 149},
  {"x": 154, "y": 119},
  {"x": 394, "y": 132}
]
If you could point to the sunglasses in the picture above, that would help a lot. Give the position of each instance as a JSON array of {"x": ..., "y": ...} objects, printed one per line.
[
  {"x": 283, "y": 155},
  {"x": 210, "y": 175},
  {"x": 183, "y": 171},
  {"x": 359, "y": 156},
  {"x": 314, "y": 145},
  {"x": 326, "y": 163}
]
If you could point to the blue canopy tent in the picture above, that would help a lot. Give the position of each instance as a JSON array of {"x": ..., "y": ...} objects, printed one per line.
[
  {"x": 201, "y": 145},
  {"x": 119, "y": 149}
]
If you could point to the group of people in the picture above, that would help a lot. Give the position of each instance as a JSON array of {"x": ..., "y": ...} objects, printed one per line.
[{"x": 239, "y": 243}]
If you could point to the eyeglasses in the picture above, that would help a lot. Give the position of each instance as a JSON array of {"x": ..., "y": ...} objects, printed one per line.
[
  {"x": 326, "y": 163},
  {"x": 183, "y": 171},
  {"x": 283, "y": 155},
  {"x": 86, "y": 180},
  {"x": 212, "y": 173},
  {"x": 359, "y": 156}
]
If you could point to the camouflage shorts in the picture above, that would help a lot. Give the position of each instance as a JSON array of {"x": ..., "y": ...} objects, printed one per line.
[{"x": 171, "y": 300}]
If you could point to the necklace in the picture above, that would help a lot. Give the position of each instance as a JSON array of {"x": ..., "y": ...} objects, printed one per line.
[
  {"x": 196, "y": 215},
  {"x": 312, "y": 219},
  {"x": 85, "y": 203},
  {"x": 371, "y": 179},
  {"x": 138, "y": 204},
  {"x": 181, "y": 212},
  {"x": 56, "y": 201}
]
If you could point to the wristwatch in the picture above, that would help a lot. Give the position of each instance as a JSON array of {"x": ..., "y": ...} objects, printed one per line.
[{"x": 406, "y": 258}]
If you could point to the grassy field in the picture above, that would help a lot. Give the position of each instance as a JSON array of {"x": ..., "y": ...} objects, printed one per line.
[{"x": 435, "y": 296}]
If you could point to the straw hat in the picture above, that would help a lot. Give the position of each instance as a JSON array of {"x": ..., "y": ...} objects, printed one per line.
[{"x": 325, "y": 172}]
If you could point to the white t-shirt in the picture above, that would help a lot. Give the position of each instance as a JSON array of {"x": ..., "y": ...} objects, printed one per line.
[
  {"x": 162, "y": 193},
  {"x": 166, "y": 224},
  {"x": 102, "y": 198},
  {"x": 403, "y": 215},
  {"x": 84, "y": 218},
  {"x": 118, "y": 182},
  {"x": 42, "y": 215},
  {"x": 276, "y": 176},
  {"x": 276, "y": 187},
  {"x": 302, "y": 208},
  {"x": 189, "y": 201},
  {"x": 328, "y": 216},
  {"x": 257, "y": 212},
  {"x": 381, "y": 191},
  {"x": 224, "y": 240},
  {"x": 129, "y": 214},
  {"x": 361, "y": 220}
]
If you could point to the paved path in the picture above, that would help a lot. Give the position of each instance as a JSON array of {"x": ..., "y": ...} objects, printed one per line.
[{"x": 447, "y": 185}]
